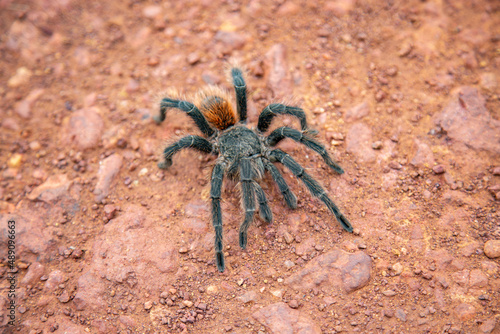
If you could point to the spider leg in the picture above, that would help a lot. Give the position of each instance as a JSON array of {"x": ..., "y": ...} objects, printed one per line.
[
  {"x": 267, "y": 115},
  {"x": 313, "y": 186},
  {"x": 248, "y": 197},
  {"x": 241, "y": 93},
  {"x": 196, "y": 142},
  {"x": 265, "y": 211},
  {"x": 290, "y": 198},
  {"x": 285, "y": 132},
  {"x": 215, "y": 195},
  {"x": 189, "y": 109}
]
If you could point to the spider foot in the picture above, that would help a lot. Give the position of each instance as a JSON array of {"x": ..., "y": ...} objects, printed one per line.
[
  {"x": 266, "y": 214},
  {"x": 344, "y": 222},
  {"x": 165, "y": 164},
  {"x": 311, "y": 132},
  {"x": 243, "y": 239},
  {"x": 158, "y": 119},
  {"x": 219, "y": 259}
]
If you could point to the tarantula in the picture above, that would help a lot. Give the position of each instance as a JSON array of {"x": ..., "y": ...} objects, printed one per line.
[{"x": 245, "y": 154}]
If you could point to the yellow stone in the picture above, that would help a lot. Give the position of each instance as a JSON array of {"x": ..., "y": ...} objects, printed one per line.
[{"x": 15, "y": 160}]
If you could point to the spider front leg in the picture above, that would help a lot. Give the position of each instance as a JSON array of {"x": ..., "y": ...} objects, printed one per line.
[
  {"x": 248, "y": 198},
  {"x": 189, "y": 109},
  {"x": 274, "y": 109},
  {"x": 215, "y": 195},
  {"x": 241, "y": 93},
  {"x": 313, "y": 186},
  {"x": 196, "y": 142},
  {"x": 285, "y": 132}
]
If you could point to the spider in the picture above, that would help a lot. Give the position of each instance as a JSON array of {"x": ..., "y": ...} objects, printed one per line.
[{"x": 246, "y": 154}]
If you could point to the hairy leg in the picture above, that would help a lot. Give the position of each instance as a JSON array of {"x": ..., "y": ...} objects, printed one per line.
[
  {"x": 196, "y": 142},
  {"x": 248, "y": 197},
  {"x": 241, "y": 93},
  {"x": 265, "y": 211},
  {"x": 313, "y": 186},
  {"x": 285, "y": 132},
  {"x": 274, "y": 109},
  {"x": 215, "y": 195},
  {"x": 190, "y": 109},
  {"x": 290, "y": 198}
]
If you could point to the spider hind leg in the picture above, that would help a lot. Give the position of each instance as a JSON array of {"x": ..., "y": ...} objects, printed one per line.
[
  {"x": 248, "y": 198},
  {"x": 215, "y": 195},
  {"x": 264, "y": 210},
  {"x": 285, "y": 132},
  {"x": 313, "y": 186}
]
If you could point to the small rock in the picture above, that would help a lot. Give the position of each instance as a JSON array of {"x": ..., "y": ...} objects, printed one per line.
[
  {"x": 183, "y": 250},
  {"x": 55, "y": 278},
  {"x": 405, "y": 49},
  {"x": 359, "y": 139},
  {"x": 83, "y": 129},
  {"x": 22, "y": 76},
  {"x": 377, "y": 145},
  {"x": 467, "y": 119},
  {"x": 389, "y": 293},
  {"x": 279, "y": 318},
  {"x": 15, "y": 160},
  {"x": 288, "y": 237},
  {"x": 187, "y": 303},
  {"x": 488, "y": 81},
  {"x": 231, "y": 40},
  {"x": 10, "y": 124},
  {"x": 492, "y": 249},
  {"x": 248, "y": 297},
  {"x": 35, "y": 271},
  {"x": 438, "y": 169},
  {"x": 357, "y": 112},
  {"x": 132, "y": 86},
  {"x": 193, "y": 58},
  {"x": 293, "y": 304},
  {"x": 109, "y": 211},
  {"x": 64, "y": 297},
  {"x": 398, "y": 268},
  {"x": 151, "y": 11},
  {"x": 478, "y": 279},
  {"x": 335, "y": 268},
  {"x": 400, "y": 314},
  {"x": 148, "y": 305},
  {"x": 279, "y": 77},
  {"x": 23, "y": 108},
  {"x": 465, "y": 312},
  {"x": 108, "y": 169},
  {"x": 395, "y": 165},
  {"x": 488, "y": 326}
]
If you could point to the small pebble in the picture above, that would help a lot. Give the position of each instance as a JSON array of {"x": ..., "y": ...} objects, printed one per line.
[
  {"x": 187, "y": 303},
  {"x": 148, "y": 305},
  {"x": 293, "y": 304},
  {"x": 438, "y": 169},
  {"x": 492, "y": 249},
  {"x": 377, "y": 145}
]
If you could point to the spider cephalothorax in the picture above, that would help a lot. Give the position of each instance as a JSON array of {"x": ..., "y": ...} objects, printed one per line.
[{"x": 246, "y": 154}]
